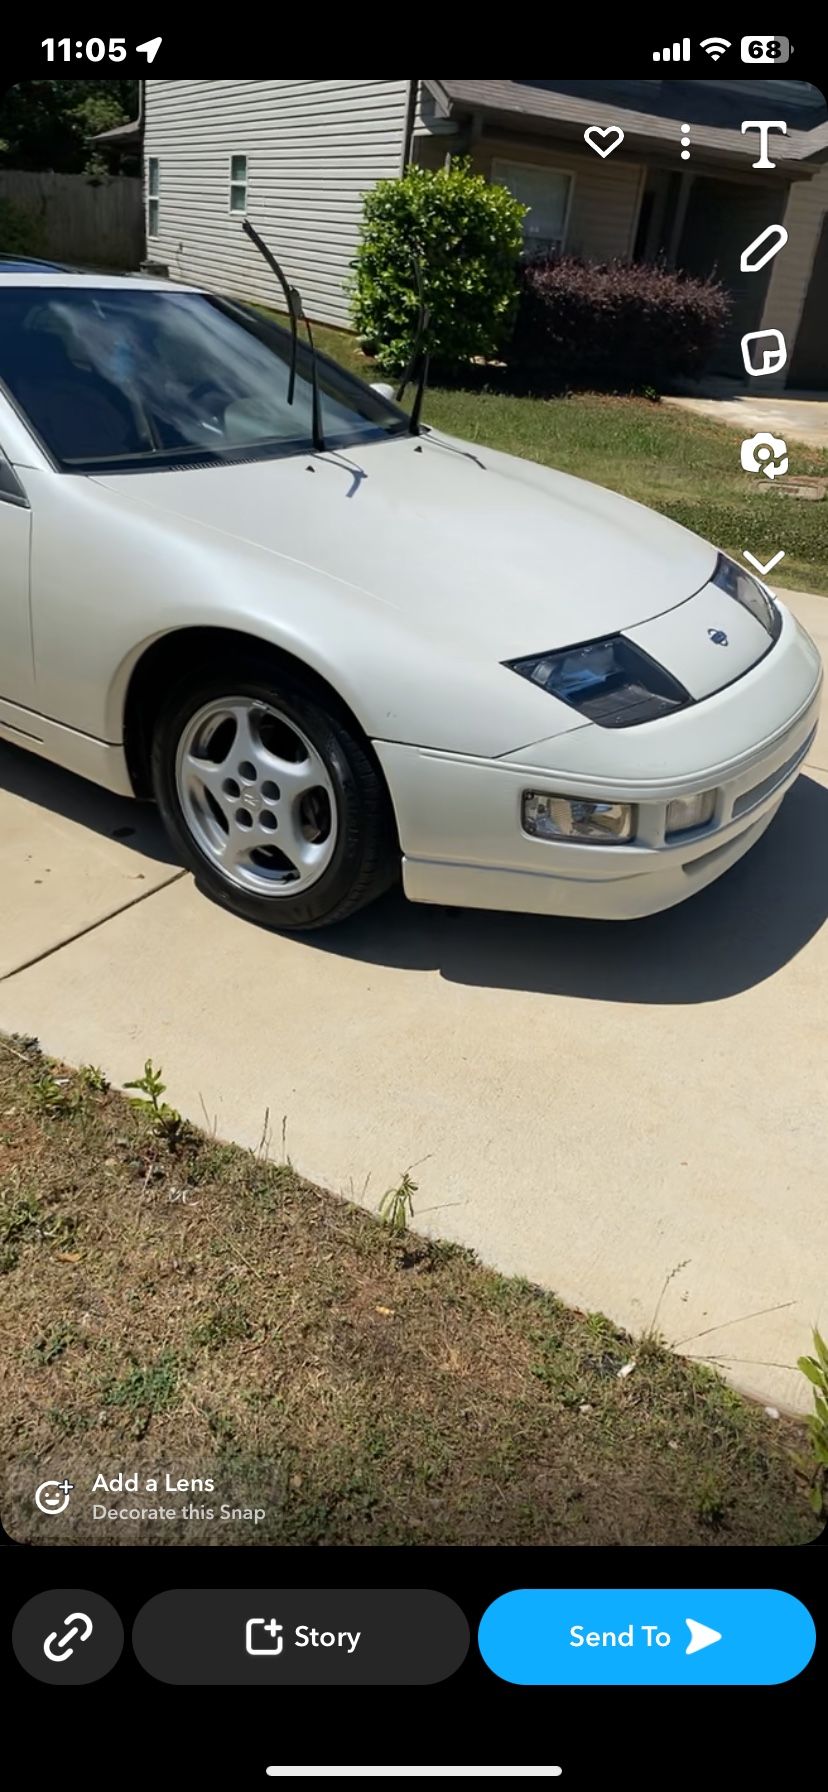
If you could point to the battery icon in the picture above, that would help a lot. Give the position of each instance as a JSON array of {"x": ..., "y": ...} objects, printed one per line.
[{"x": 766, "y": 52}]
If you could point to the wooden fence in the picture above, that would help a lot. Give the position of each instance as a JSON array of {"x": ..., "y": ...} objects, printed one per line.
[{"x": 76, "y": 221}]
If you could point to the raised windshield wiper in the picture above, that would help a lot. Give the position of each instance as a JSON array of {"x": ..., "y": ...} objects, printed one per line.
[
  {"x": 420, "y": 354},
  {"x": 296, "y": 314}
]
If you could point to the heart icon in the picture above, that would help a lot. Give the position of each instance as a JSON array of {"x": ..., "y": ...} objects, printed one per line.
[{"x": 604, "y": 148}]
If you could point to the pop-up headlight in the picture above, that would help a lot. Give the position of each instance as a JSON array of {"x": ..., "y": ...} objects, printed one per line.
[
  {"x": 747, "y": 591},
  {"x": 611, "y": 682}
]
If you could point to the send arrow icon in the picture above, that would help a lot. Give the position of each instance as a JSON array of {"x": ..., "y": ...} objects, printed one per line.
[{"x": 701, "y": 1636}]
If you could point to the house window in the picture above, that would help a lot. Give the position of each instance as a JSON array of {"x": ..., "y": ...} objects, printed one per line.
[
  {"x": 238, "y": 183},
  {"x": 153, "y": 191},
  {"x": 547, "y": 192}
]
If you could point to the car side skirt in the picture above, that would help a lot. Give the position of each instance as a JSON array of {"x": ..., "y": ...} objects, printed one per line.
[{"x": 103, "y": 762}]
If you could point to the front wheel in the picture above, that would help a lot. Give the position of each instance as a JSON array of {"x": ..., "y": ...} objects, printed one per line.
[{"x": 271, "y": 799}]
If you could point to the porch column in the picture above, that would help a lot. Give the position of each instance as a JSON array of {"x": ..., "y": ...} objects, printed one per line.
[{"x": 682, "y": 201}]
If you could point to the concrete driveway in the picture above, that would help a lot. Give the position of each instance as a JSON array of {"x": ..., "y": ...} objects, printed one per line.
[
  {"x": 634, "y": 1116},
  {"x": 801, "y": 416}
]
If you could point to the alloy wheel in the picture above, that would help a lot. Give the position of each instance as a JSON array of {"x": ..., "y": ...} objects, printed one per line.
[{"x": 256, "y": 796}]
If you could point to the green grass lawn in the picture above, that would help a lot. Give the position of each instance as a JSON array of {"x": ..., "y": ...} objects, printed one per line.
[
  {"x": 171, "y": 1302},
  {"x": 671, "y": 460}
]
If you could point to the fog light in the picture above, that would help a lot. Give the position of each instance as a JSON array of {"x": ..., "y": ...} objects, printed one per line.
[
  {"x": 686, "y": 812},
  {"x": 576, "y": 818}
]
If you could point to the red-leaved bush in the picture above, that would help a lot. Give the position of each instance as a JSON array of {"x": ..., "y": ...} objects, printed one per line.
[{"x": 615, "y": 325}]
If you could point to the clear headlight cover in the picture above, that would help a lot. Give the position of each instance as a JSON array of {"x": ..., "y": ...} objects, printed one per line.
[
  {"x": 610, "y": 682},
  {"x": 550, "y": 817},
  {"x": 747, "y": 591}
]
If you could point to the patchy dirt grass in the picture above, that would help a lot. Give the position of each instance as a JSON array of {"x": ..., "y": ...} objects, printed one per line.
[{"x": 171, "y": 1303}]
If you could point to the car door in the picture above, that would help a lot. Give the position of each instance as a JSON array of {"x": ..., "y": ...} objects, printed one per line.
[{"x": 16, "y": 664}]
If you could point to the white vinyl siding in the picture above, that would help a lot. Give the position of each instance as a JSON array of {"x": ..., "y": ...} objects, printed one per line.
[
  {"x": 547, "y": 192},
  {"x": 312, "y": 150}
]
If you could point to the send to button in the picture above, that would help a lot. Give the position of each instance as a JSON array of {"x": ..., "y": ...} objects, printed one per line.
[{"x": 542, "y": 1636}]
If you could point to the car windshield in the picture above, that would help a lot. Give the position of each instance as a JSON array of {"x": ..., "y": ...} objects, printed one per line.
[{"x": 112, "y": 378}]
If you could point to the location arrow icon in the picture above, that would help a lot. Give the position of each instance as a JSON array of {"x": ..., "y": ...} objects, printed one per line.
[{"x": 701, "y": 1636}]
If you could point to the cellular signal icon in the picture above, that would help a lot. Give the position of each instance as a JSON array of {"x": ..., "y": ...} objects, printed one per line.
[{"x": 678, "y": 52}]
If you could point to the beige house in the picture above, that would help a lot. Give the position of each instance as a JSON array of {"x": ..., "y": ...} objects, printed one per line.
[{"x": 299, "y": 156}]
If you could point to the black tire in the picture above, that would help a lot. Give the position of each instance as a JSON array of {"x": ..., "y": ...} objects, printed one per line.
[{"x": 366, "y": 854}]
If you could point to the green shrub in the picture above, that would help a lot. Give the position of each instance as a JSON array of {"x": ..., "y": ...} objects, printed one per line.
[
  {"x": 19, "y": 233},
  {"x": 468, "y": 236},
  {"x": 617, "y": 325}
]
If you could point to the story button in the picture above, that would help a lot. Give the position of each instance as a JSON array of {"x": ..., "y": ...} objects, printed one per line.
[{"x": 301, "y": 1637}]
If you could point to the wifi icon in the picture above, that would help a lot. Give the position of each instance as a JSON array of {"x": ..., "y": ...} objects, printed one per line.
[{"x": 715, "y": 46}]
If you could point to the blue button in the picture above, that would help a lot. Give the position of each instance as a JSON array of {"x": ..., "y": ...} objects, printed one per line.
[{"x": 646, "y": 1637}]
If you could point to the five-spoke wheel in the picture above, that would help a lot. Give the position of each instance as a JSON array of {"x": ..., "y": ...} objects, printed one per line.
[
  {"x": 257, "y": 796},
  {"x": 272, "y": 797}
]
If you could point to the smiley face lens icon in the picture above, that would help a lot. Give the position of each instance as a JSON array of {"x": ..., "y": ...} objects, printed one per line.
[{"x": 52, "y": 1497}]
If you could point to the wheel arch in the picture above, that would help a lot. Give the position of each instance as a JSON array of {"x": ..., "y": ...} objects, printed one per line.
[{"x": 167, "y": 658}]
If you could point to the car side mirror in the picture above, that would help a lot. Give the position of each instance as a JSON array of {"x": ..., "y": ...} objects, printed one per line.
[{"x": 384, "y": 390}]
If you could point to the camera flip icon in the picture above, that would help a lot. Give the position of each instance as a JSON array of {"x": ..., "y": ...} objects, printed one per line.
[{"x": 764, "y": 453}]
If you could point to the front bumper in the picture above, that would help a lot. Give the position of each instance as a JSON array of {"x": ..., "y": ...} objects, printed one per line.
[{"x": 459, "y": 818}]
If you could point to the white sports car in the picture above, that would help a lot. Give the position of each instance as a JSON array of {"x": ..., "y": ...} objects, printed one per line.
[{"x": 331, "y": 643}]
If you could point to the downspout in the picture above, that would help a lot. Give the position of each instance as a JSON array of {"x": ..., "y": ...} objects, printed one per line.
[
  {"x": 408, "y": 127},
  {"x": 464, "y": 142}
]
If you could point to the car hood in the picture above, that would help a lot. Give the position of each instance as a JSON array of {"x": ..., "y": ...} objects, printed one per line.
[{"x": 468, "y": 544}]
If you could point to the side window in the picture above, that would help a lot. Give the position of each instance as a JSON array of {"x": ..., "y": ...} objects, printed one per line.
[
  {"x": 547, "y": 192},
  {"x": 153, "y": 195},
  {"x": 238, "y": 183},
  {"x": 11, "y": 491}
]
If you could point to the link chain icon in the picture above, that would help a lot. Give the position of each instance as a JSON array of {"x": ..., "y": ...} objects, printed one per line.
[{"x": 78, "y": 1625}]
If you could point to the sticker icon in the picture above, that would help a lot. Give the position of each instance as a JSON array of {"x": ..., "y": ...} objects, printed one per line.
[
  {"x": 764, "y": 453},
  {"x": 775, "y": 236},
  {"x": 773, "y": 352},
  {"x": 764, "y": 126},
  {"x": 604, "y": 148}
]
